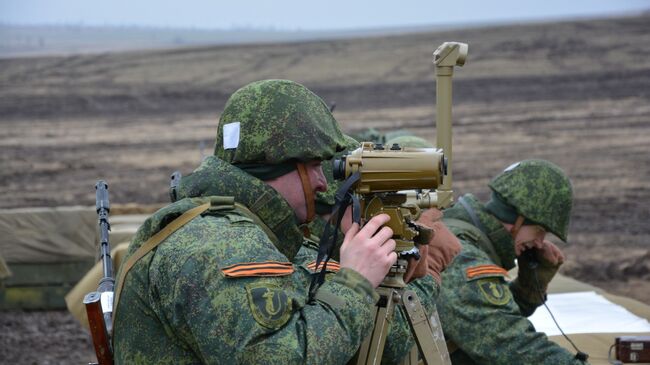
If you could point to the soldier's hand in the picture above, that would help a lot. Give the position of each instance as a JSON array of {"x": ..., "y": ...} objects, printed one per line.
[
  {"x": 550, "y": 253},
  {"x": 548, "y": 257},
  {"x": 417, "y": 268},
  {"x": 443, "y": 247},
  {"x": 369, "y": 250}
]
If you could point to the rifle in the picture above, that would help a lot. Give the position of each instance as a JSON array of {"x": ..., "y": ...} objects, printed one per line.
[
  {"x": 99, "y": 304},
  {"x": 175, "y": 179}
]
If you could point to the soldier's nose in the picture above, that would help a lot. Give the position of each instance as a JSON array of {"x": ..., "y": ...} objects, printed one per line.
[{"x": 321, "y": 182}]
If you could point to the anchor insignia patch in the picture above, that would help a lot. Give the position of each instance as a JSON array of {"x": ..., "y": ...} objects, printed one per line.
[
  {"x": 493, "y": 291},
  {"x": 269, "y": 304}
]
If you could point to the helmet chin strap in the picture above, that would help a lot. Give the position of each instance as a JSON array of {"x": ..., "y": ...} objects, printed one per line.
[
  {"x": 514, "y": 231},
  {"x": 310, "y": 199}
]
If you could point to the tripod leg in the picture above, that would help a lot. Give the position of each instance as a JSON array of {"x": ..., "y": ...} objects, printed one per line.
[
  {"x": 372, "y": 347},
  {"x": 431, "y": 345}
]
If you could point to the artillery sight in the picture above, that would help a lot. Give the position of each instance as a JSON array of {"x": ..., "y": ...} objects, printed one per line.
[
  {"x": 383, "y": 173},
  {"x": 393, "y": 169},
  {"x": 379, "y": 179}
]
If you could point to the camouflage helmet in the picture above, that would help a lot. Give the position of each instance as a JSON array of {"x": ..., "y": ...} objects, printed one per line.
[
  {"x": 275, "y": 121},
  {"x": 369, "y": 135},
  {"x": 540, "y": 191},
  {"x": 396, "y": 133},
  {"x": 325, "y": 200},
  {"x": 409, "y": 141}
]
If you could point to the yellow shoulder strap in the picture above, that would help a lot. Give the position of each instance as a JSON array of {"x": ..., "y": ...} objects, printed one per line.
[
  {"x": 152, "y": 243},
  {"x": 172, "y": 227}
]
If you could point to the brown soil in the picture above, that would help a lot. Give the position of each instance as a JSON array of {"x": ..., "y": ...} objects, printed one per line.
[
  {"x": 576, "y": 93},
  {"x": 43, "y": 338}
]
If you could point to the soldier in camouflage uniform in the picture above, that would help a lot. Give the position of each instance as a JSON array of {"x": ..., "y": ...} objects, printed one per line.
[
  {"x": 221, "y": 287},
  {"x": 482, "y": 312}
]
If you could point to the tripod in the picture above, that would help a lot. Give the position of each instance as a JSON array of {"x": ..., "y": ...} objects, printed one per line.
[{"x": 427, "y": 334}]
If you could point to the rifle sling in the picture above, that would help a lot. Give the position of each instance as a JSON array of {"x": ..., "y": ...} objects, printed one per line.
[
  {"x": 152, "y": 243},
  {"x": 172, "y": 227},
  {"x": 472, "y": 215},
  {"x": 484, "y": 242}
]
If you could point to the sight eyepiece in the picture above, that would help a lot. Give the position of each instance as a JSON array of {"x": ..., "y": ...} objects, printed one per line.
[
  {"x": 338, "y": 168},
  {"x": 445, "y": 163}
]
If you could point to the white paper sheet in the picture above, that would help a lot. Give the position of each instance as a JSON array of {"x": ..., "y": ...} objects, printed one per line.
[{"x": 586, "y": 312}]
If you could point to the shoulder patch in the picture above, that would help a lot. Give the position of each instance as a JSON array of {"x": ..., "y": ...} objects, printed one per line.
[
  {"x": 332, "y": 266},
  {"x": 494, "y": 291},
  {"x": 267, "y": 268},
  {"x": 269, "y": 304},
  {"x": 485, "y": 271}
]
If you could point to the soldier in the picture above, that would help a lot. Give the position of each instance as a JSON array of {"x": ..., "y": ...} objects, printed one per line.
[
  {"x": 482, "y": 313},
  {"x": 215, "y": 283}
]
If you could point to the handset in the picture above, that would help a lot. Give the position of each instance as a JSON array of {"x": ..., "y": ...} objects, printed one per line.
[{"x": 531, "y": 257}]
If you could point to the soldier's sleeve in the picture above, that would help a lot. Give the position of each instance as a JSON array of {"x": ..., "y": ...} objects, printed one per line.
[
  {"x": 255, "y": 312},
  {"x": 480, "y": 316},
  {"x": 527, "y": 299},
  {"x": 529, "y": 288},
  {"x": 400, "y": 340}
]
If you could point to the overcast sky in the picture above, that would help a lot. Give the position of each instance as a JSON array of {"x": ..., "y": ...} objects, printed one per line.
[{"x": 302, "y": 14}]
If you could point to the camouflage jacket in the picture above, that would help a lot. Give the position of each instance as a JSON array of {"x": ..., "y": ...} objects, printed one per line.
[
  {"x": 399, "y": 340},
  {"x": 220, "y": 290},
  {"x": 480, "y": 310}
]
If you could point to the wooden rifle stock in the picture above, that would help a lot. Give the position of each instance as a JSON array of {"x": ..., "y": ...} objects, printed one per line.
[
  {"x": 101, "y": 341},
  {"x": 99, "y": 304}
]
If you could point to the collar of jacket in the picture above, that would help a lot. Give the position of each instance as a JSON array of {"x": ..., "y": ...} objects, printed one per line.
[
  {"x": 500, "y": 238},
  {"x": 217, "y": 177}
]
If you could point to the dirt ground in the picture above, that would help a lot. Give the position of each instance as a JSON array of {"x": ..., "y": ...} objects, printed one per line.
[{"x": 576, "y": 93}]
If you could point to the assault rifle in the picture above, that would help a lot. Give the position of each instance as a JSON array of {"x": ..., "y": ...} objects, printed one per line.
[{"x": 99, "y": 304}]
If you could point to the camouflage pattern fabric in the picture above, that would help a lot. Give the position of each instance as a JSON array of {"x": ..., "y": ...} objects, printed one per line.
[
  {"x": 279, "y": 121},
  {"x": 219, "y": 291},
  {"x": 215, "y": 177},
  {"x": 375, "y": 136},
  {"x": 409, "y": 141},
  {"x": 540, "y": 191},
  {"x": 396, "y": 134},
  {"x": 479, "y": 309},
  {"x": 399, "y": 340},
  {"x": 369, "y": 135}
]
